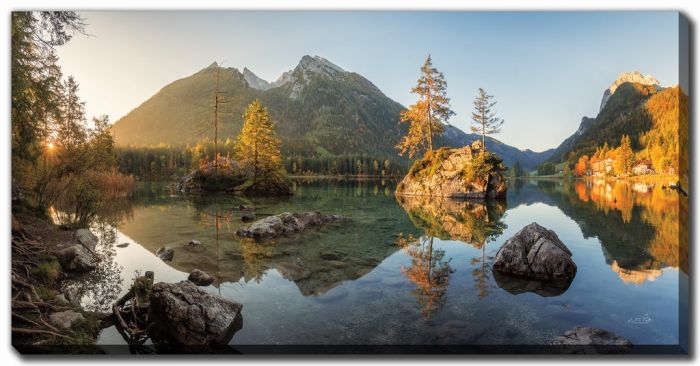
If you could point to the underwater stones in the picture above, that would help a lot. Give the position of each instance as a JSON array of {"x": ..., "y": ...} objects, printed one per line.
[
  {"x": 122, "y": 245},
  {"x": 76, "y": 259},
  {"x": 535, "y": 252},
  {"x": 166, "y": 254},
  {"x": 194, "y": 243},
  {"x": 200, "y": 278},
  {"x": 248, "y": 217},
  {"x": 591, "y": 340},
  {"x": 190, "y": 316},
  {"x": 284, "y": 223},
  {"x": 332, "y": 255}
]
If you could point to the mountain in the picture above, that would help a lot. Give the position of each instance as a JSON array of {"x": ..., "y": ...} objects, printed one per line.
[
  {"x": 320, "y": 109},
  {"x": 622, "y": 112}
]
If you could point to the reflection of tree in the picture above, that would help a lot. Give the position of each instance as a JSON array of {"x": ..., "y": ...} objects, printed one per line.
[
  {"x": 482, "y": 273},
  {"x": 428, "y": 271},
  {"x": 98, "y": 289},
  {"x": 256, "y": 258}
]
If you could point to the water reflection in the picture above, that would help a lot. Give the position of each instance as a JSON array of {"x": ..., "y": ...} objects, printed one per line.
[
  {"x": 637, "y": 223},
  {"x": 429, "y": 271}
]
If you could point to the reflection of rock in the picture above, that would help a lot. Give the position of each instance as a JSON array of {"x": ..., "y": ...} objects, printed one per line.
[
  {"x": 76, "y": 259},
  {"x": 189, "y": 316},
  {"x": 519, "y": 285},
  {"x": 591, "y": 340},
  {"x": 451, "y": 219},
  {"x": 449, "y": 173},
  {"x": 535, "y": 252},
  {"x": 165, "y": 253},
  {"x": 200, "y": 278},
  {"x": 284, "y": 223},
  {"x": 635, "y": 276},
  {"x": 248, "y": 217}
]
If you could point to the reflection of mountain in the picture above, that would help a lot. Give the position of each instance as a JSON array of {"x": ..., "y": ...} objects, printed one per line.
[
  {"x": 639, "y": 229},
  {"x": 316, "y": 260},
  {"x": 473, "y": 222}
]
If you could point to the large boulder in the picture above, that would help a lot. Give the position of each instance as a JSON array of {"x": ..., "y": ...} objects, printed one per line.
[
  {"x": 591, "y": 340},
  {"x": 535, "y": 252},
  {"x": 464, "y": 173},
  {"x": 187, "y": 315},
  {"x": 86, "y": 238},
  {"x": 285, "y": 223},
  {"x": 76, "y": 258}
]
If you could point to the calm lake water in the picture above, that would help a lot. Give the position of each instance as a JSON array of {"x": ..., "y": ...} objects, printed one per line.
[{"x": 412, "y": 271}]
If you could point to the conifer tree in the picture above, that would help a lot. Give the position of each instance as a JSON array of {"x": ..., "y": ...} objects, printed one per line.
[
  {"x": 428, "y": 116},
  {"x": 483, "y": 117},
  {"x": 257, "y": 148}
]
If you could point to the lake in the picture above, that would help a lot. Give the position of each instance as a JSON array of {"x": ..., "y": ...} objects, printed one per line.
[{"x": 412, "y": 271}]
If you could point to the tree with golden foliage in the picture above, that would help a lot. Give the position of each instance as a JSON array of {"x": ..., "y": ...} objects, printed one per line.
[
  {"x": 428, "y": 116},
  {"x": 582, "y": 166},
  {"x": 257, "y": 149},
  {"x": 624, "y": 157}
]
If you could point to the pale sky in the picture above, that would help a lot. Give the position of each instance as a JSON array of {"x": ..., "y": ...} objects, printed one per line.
[{"x": 546, "y": 70}]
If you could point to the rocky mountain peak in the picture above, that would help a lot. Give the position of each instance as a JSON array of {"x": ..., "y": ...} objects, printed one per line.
[
  {"x": 307, "y": 66},
  {"x": 254, "y": 81},
  {"x": 627, "y": 77}
]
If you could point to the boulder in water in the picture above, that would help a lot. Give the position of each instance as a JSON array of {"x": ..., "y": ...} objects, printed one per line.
[
  {"x": 535, "y": 252},
  {"x": 187, "y": 315},
  {"x": 591, "y": 340},
  {"x": 200, "y": 278},
  {"x": 165, "y": 253},
  {"x": 285, "y": 223},
  {"x": 76, "y": 258}
]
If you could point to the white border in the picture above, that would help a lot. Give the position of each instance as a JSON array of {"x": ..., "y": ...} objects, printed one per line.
[{"x": 690, "y": 8}]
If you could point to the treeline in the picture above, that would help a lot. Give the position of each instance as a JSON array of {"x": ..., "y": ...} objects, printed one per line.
[{"x": 164, "y": 162}]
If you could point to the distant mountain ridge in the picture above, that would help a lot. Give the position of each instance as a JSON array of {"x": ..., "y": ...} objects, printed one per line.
[
  {"x": 620, "y": 113},
  {"x": 320, "y": 109}
]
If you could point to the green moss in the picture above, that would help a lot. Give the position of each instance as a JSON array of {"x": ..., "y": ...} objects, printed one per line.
[{"x": 48, "y": 272}]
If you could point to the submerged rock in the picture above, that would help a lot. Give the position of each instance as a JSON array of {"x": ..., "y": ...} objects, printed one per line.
[
  {"x": 76, "y": 258},
  {"x": 535, "y": 252},
  {"x": 464, "y": 173},
  {"x": 122, "y": 245},
  {"x": 200, "y": 278},
  {"x": 591, "y": 340},
  {"x": 194, "y": 243},
  {"x": 248, "y": 217},
  {"x": 189, "y": 316},
  {"x": 166, "y": 253},
  {"x": 65, "y": 319},
  {"x": 285, "y": 223}
]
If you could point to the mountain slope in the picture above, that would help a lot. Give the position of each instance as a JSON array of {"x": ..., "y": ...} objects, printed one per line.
[
  {"x": 622, "y": 112},
  {"x": 319, "y": 108}
]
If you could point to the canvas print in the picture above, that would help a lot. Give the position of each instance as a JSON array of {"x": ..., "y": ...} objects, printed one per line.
[{"x": 349, "y": 182}]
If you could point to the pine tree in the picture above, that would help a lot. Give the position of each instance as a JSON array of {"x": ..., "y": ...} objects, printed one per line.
[
  {"x": 428, "y": 116},
  {"x": 257, "y": 148},
  {"x": 483, "y": 117}
]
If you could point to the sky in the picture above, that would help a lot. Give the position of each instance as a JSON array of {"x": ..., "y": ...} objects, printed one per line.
[{"x": 546, "y": 70}]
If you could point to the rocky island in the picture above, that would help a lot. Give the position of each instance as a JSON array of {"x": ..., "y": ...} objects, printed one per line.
[{"x": 469, "y": 172}]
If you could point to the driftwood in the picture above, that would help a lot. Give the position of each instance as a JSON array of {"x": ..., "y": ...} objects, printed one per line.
[{"x": 131, "y": 311}]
